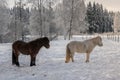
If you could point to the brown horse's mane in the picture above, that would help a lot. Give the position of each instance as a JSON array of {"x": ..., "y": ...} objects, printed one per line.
[
  {"x": 42, "y": 41},
  {"x": 36, "y": 40},
  {"x": 33, "y": 42}
]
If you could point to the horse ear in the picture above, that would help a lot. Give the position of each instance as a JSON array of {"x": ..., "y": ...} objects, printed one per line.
[
  {"x": 99, "y": 37},
  {"x": 46, "y": 38}
]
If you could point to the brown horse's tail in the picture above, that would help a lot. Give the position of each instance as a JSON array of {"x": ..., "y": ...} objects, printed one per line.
[
  {"x": 13, "y": 58},
  {"x": 68, "y": 54}
]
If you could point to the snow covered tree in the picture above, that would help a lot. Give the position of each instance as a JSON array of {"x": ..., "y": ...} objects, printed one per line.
[
  {"x": 38, "y": 18},
  {"x": 34, "y": 22},
  {"x": 4, "y": 21},
  {"x": 89, "y": 17},
  {"x": 74, "y": 16},
  {"x": 19, "y": 21},
  {"x": 58, "y": 18},
  {"x": 44, "y": 25},
  {"x": 99, "y": 19}
]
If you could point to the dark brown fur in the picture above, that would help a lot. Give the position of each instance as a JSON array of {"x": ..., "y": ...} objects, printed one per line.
[{"x": 31, "y": 48}]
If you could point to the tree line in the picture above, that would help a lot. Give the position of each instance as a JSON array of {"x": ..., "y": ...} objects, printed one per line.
[
  {"x": 100, "y": 20},
  {"x": 50, "y": 18}
]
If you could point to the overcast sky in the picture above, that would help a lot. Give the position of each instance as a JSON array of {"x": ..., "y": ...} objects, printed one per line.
[
  {"x": 113, "y": 5},
  {"x": 10, "y": 3}
]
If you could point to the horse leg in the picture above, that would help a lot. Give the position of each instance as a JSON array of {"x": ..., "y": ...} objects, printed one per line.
[
  {"x": 72, "y": 57},
  {"x": 67, "y": 57},
  {"x": 33, "y": 59},
  {"x": 87, "y": 57},
  {"x": 15, "y": 55},
  {"x": 67, "y": 54},
  {"x": 13, "y": 58},
  {"x": 17, "y": 62}
]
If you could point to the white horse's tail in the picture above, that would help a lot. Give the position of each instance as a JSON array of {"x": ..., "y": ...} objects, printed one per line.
[{"x": 68, "y": 54}]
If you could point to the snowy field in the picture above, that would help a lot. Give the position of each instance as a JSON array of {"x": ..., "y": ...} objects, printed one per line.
[{"x": 104, "y": 63}]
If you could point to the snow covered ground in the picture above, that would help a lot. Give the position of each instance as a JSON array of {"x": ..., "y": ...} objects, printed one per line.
[{"x": 104, "y": 63}]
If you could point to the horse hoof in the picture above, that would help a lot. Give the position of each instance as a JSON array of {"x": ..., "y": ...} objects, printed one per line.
[
  {"x": 17, "y": 64},
  {"x": 72, "y": 61},
  {"x": 66, "y": 62},
  {"x": 33, "y": 65},
  {"x": 13, "y": 63},
  {"x": 87, "y": 61}
]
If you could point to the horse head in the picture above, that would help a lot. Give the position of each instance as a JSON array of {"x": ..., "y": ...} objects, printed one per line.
[
  {"x": 99, "y": 41},
  {"x": 46, "y": 42}
]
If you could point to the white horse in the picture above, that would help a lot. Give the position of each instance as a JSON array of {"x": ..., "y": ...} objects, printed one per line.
[{"x": 82, "y": 47}]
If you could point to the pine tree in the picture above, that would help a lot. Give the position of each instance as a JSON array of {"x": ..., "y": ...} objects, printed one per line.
[
  {"x": 98, "y": 18},
  {"x": 89, "y": 17},
  {"x": 4, "y": 21}
]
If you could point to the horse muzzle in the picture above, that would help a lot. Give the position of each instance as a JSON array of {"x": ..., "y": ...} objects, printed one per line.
[
  {"x": 48, "y": 46},
  {"x": 101, "y": 44}
]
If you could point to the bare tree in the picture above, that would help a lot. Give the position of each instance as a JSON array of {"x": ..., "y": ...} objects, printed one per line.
[
  {"x": 40, "y": 15},
  {"x": 73, "y": 16},
  {"x": 71, "y": 20},
  {"x": 4, "y": 20},
  {"x": 15, "y": 32}
]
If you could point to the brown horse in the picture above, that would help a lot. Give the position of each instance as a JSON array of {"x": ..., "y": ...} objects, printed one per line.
[
  {"x": 31, "y": 48},
  {"x": 82, "y": 47}
]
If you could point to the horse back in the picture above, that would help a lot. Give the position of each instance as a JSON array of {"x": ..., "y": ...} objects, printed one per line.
[
  {"x": 18, "y": 43},
  {"x": 20, "y": 46},
  {"x": 77, "y": 46}
]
